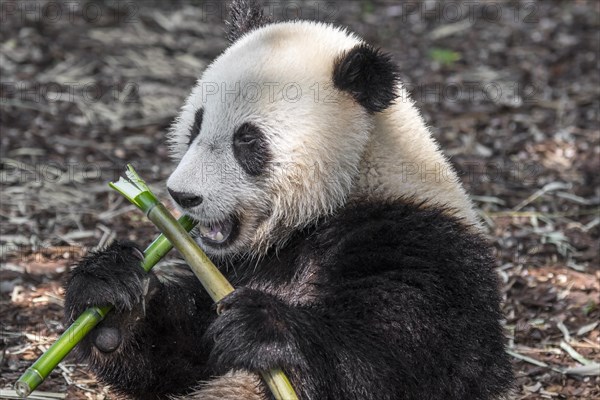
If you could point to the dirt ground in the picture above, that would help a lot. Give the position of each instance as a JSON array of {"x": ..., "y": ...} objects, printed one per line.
[{"x": 511, "y": 89}]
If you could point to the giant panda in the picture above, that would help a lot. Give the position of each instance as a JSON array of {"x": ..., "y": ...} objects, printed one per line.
[{"x": 360, "y": 266}]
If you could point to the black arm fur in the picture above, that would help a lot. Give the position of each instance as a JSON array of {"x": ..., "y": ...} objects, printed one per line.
[{"x": 150, "y": 345}]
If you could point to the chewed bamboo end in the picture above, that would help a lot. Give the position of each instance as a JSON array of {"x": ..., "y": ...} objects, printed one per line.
[
  {"x": 22, "y": 389},
  {"x": 27, "y": 383}
]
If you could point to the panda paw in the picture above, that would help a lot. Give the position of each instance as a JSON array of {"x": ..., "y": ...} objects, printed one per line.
[
  {"x": 251, "y": 332},
  {"x": 112, "y": 276}
]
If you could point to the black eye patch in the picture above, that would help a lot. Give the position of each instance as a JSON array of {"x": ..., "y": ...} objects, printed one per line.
[
  {"x": 195, "y": 130},
  {"x": 251, "y": 149}
]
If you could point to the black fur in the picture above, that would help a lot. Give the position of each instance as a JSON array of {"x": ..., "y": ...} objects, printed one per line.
[
  {"x": 158, "y": 350},
  {"x": 398, "y": 301},
  {"x": 251, "y": 149},
  {"x": 369, "y": 75},
  {"x": 245, "y": 15},
  {"x": 195, "y": 129},
  {"x": 122, "y": 287}
]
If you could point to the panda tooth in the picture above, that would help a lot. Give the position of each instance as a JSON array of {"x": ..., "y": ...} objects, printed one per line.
[{"x": 216, "y": 232}]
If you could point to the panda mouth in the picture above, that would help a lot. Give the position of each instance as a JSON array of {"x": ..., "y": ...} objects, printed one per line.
[{"x": 218, "y": 233}]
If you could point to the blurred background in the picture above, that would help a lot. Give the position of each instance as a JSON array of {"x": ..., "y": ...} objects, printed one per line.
[{"x": 511, "y": 90}]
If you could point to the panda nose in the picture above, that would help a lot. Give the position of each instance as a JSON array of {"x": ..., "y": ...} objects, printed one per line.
[{"x": 184, "y": 199}]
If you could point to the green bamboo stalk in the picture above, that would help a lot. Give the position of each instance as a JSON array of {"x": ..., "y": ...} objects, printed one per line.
[
  {"x": 217, "y": 286},
  {"x": 39, "y": 371}
]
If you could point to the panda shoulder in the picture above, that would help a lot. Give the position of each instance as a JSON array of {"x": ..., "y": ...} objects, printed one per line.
[{"x": 406, "y": 234}]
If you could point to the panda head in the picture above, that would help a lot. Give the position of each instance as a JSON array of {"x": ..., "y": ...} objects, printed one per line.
[{"x": 271, "y": 138}]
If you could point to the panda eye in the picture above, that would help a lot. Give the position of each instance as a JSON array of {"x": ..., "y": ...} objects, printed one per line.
[
  {"x": 195, "y": 130},
  {"x": 251, "y": 149},
  {"x": 246, "y": 140},
  {"x": 246, "y": 135}
]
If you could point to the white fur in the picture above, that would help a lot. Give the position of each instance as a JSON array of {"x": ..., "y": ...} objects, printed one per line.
[
  {"x": 326, "y": 148},
  {"x": 403, "y": 160},
  {"x": 235, "y": 385}
]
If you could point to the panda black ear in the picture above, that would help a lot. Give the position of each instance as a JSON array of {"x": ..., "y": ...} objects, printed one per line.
[
  {"x": 245, "y": 16},
  {"x": 369, "y": 75}
]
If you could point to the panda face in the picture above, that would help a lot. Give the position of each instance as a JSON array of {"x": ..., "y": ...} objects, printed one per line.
[{"x": 269, "y": 140}]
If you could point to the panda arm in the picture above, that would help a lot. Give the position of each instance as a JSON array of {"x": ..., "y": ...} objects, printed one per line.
[
  {"x": 150, "y": 344},
  {"x": 407, "y": 300},
  {"x": 164, "y": 354},
  {"x": 340, "y": 347}
]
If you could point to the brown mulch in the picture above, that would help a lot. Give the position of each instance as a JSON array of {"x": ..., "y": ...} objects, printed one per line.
[{"x": 511, "y": 90}]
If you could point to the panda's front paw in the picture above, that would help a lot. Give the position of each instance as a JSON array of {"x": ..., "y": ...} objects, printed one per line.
[
  {"x": 252, "y": 332},
  {"x": 112, "y": 276},
  {"x": 244, "y": 297}
]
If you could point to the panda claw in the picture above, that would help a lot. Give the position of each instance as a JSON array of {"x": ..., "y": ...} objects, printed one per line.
[
  {"x": 221, "y": 308},
  {"x": 138, "y": 253}
]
